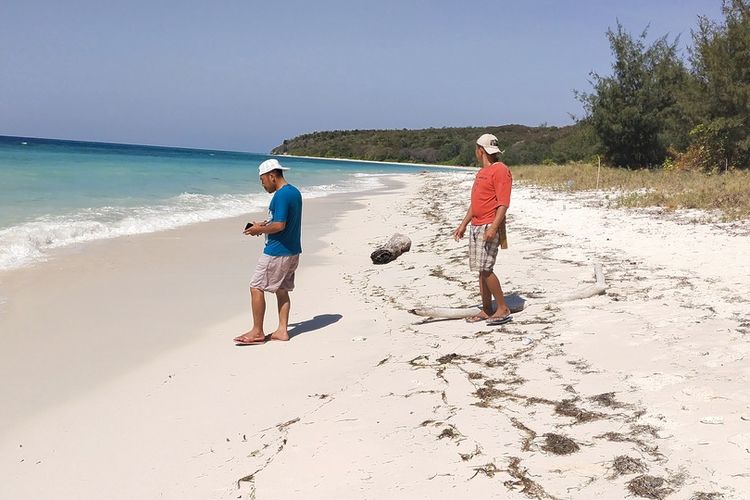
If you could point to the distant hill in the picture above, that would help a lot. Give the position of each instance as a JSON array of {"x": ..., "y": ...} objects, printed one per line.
[{"x": 448, "y": 146}]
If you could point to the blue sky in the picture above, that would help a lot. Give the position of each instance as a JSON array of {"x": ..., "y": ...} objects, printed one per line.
[{"x": 244, "y": 75}]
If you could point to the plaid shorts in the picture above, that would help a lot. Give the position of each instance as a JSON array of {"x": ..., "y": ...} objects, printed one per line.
[
  {"x": 275, "y": 273},
  {"x": 482, "y": 254}
]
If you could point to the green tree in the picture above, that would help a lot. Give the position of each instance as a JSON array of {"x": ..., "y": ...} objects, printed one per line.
[
  {"x": 721, "y": 96},
  {"x": 579, "y": 145},
  {"x": 635, "y": 112}
]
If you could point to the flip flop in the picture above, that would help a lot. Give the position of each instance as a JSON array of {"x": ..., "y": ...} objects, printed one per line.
[
  {"x": 477, "y": 318},
  {"x": 499, "y": 321}
]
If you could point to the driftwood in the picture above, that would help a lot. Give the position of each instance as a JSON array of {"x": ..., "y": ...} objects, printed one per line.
[
  {"x": 397, "y": 245},
  {"x": 515, "y": 302}
]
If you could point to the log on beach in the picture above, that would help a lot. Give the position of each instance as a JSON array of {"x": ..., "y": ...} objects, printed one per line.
[
  {"x": 398, "y": 244},
  {"x": 516, "y": 303}
]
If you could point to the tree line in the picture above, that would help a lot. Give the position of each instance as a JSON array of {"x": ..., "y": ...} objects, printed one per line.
[
  {"x": 658, "y": 110},
  {"x": 449, "y": 145}
]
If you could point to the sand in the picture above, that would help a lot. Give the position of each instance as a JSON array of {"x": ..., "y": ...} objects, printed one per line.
[{"x": 120, "y": 379}]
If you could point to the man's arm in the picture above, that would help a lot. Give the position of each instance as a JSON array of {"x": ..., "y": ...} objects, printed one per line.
[
  {"x": 491, "y": 230},
  {"x": 259, "y": 228},
  {"x": 461, "y": 229},
  {"x": 503, "y": 182},
  {"x": 280, "y": 210}
]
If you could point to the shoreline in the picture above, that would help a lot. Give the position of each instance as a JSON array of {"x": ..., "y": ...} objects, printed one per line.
[
  {"x": 92, "y": 231},
  {"x": 370, "y": 401},
  {"x": 99, "y": 274}
]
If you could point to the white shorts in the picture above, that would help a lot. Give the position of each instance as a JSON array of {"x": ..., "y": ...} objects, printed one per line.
[{"x": 275, "y": 273}]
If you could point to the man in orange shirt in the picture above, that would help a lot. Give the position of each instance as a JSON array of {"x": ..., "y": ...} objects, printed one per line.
[{"x": 490, "y": 199}]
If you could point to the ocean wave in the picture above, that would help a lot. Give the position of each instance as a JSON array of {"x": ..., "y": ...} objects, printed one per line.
[{"x": 30, "y": 242}]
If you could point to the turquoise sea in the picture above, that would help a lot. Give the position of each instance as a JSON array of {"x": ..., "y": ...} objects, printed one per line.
[{"x": 56, "y": 193}]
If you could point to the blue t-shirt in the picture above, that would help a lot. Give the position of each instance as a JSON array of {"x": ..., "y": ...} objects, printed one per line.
[{"x": 286, "y": 206}]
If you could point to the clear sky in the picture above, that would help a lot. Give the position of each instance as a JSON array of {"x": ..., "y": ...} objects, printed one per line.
[{"x": 245, "y": 75}]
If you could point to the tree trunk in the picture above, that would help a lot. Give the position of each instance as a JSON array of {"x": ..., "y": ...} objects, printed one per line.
[
  {"x": 516, "y": 303},
  {"x": 397, "y": 245}
]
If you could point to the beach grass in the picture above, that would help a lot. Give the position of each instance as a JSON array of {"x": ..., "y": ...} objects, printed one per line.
[{"x": 728, "y": 193}]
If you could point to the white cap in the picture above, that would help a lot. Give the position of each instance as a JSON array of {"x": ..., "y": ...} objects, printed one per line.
[
  {"x": 268, "y": 165},
  {"x": 489, "y": 143}
]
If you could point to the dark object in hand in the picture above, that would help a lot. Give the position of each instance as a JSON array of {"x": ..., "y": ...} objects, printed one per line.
[{"x": 248, "y": 226}]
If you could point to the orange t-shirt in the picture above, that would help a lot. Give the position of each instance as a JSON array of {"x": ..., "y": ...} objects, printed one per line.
[{"x": 491, "y": 190}]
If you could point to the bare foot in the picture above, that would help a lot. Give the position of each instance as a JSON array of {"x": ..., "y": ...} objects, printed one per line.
[
  {"x": 281, "y": 335},
  {"x": 500, "y": 314},
  {"x": 482, "y": 316},
  {"x": 253, "y": 337}
]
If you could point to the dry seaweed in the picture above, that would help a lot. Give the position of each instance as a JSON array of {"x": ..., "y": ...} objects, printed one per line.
[
  {"x": 617, "y": 437},
  {"x": 424, "y": 391},
  {"x": 622, "y": 438},
  {"x": 384, "y": 360},
  {"x": 624, "y": 464},
  {"x": 530, "y": 434},
  {"x": 450, "y": 358},
  {"x": 488, "y": 393},
  {"x": 699, "y": 495},
  {"x": 534, "y": 400},
  {"x": 488, "y": 470},
  {"x": 514, "y": 381},
  {"x": 649, "y": 487},
  {"x": 449, "y": 432},
  {"x": 415, "y": 361},
  {"x": 286, "y": 424},
  {"x": 568, "y": 409},
  {"x": 582, "y": 366},
  {"x": 559, "y": 445},
  {"x": 529, "y": 487},
  {"x": 250, "y": 478},
  {"x": 645, "y": 429},
  {"x": 468, "y": 456},
  {"x": 494, "y": 363},
  {"x": 606, "y": 399}
]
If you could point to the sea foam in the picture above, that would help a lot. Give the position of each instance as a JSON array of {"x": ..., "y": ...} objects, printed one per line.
[{"x": 30, "y": 242}]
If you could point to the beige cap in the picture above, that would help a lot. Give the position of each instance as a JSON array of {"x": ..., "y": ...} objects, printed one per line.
[
  {"x": 268, "y": 165},
  {"x": 489, "y": 143}
]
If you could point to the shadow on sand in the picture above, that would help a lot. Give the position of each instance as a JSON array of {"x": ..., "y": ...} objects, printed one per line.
[{"x": 310, "y": 325}]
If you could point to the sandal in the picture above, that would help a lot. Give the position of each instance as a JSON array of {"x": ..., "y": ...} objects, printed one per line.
[{"x": 499, "y": 321}]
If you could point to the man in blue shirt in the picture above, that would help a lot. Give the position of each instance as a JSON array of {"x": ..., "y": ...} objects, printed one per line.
[{"x": 275, "y": 270}]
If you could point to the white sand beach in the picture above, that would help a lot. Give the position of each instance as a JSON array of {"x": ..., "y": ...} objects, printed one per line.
[{"x": 121, "y": 381}]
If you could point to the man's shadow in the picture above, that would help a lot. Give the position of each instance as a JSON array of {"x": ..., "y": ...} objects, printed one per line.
[{"x": 318, "y": 322}]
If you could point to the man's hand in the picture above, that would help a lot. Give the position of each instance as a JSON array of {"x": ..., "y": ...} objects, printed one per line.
[
  {"x": 490, "y": 232},
  {"x": 459, "y": 232},
  {"x": 255, "y": 229}
]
